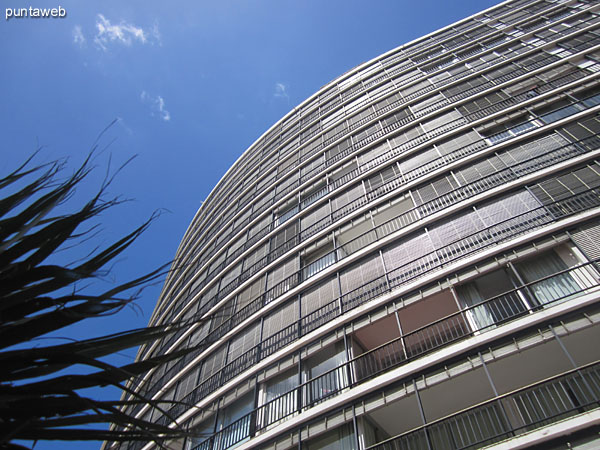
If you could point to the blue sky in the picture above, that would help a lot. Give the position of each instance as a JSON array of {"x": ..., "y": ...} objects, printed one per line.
[{"x": 192, "y": 85}]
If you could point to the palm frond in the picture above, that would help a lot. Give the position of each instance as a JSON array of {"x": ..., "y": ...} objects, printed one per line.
[{"x": 38, "y": 296}]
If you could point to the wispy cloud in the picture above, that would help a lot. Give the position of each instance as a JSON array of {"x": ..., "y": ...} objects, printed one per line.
[
  {"x": 78, "y": 37},
  {"x": 123, "y": 33},
  {"x": 281, "y": 91},
  {"x": 155, "y": 33},
  {"x": 157, "y": 105}
]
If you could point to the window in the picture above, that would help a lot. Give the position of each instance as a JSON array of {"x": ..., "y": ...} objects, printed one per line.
[
  {"x": 343, "y": 174},
  {"x": 450, "y": 119},
  {"x": 386, "y": 102},
  {"x": 187, "y": 384},
  {"x": 558, "y": 111},
  {"x": 282, "y": 272},
  {"x": 533, "y": 155},
  {"x": 404, "y": 138},
  {"x": 313, "y": 193},
  {"x": 199, "y": 434},
  {"x": 489, "y": 300},
  {"x": 435, "y": 190},
  {"x": 231, "y": 275},
  {"x": 395, "y": 120},
  {"x": 508, "y": 130},
  {"x": 234, "y": 422},
  {"x": 547, "y": 284},
  {"x": 347, "y": 197},
  {"x": 250, "y": 294},
  {"x": 437, "y": 99},
  {"x": 479, "y": 170},
  {"x": 317, "y": 217},
  {"x": 243, "y": 343},
  {"x": 466, "y": 88},
  {"x": 371, "y": 158},
  {"x": 417, "y": 161},
  {"x": 325, "y": 374},
  {"x": 279, "y": 328},
  {"x": 420, "y": 87},
  {"x": 482, "y": 103},
  {"x": 382, "y": 177},
  {"x": 589, "y": 64},
  {"x": 287, "y": 211},
  {"x": 255, "y": 257},
  {"x": 321, "y": 298},
  {"x": 339, "y": 150},
  {"x": 351, "y": 231},
  {"x": 259, "y": 226},
  {"x": 362, "y": 273},
  {"x": 360, "y": 118},
  {"x": 395, "y": 208},
  {"x": 222, "y": 315},
  {"x": 286, "y": 184},
  {"x": 582, "y": 129},
  {"x": 460, "y": 143},
  {"x": 279, "y": 398},
  {"x": 341, "y": 438},
  {"x": 284, "y": 240},
  {"x": 317, "y": 257},
  {"x": 213, "y": 363}
]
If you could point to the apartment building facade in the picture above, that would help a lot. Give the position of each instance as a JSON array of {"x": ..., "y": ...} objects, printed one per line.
[{"x": 407, "y": 260}]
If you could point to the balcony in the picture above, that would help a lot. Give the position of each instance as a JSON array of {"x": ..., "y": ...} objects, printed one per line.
[
  {"x": 509, "y": 415},
  {"x": 426, "y": 330}
]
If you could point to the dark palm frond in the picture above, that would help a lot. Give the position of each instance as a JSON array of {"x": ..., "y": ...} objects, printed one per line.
[{"x": 39, "y": 296}]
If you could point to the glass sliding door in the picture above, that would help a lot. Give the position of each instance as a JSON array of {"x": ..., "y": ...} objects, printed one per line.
[
  {"x": 491, "y": 299},
  {"x": 326, "y": 375},
  {"x": 280, "y": 398},
  {"x": 546, "y": 282}
]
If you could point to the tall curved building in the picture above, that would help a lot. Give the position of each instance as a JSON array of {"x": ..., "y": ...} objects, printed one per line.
[{"x": 408, "y": 259}]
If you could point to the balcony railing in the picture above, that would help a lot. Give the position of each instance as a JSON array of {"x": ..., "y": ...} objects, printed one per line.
[
  {"x": 462, "y": 324},
  {"x": 508, "y": 415}
]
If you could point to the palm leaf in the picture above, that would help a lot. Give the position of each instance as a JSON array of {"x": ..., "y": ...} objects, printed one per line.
[{"x": 34, "y": 302}]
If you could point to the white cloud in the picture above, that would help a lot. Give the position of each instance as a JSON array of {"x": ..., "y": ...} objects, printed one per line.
[
  {"x": 78, "y": 37},
  {"x": 124, "y": 33},
  {"x": 281, "y": 91},
  {"x": 157, "y": 105},
  {"x": 164, "y": 114}
]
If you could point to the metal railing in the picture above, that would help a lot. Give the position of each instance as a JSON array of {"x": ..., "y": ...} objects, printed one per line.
[
  {"x": 409, "y": 346},
  {"x": 508, "y": 415},
  {"x": 242, "y": 224},
  {"x": 576, "y": 207}
]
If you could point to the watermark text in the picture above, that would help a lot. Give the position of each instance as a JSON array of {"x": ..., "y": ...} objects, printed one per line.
[{"x": 35, "y": 13}]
